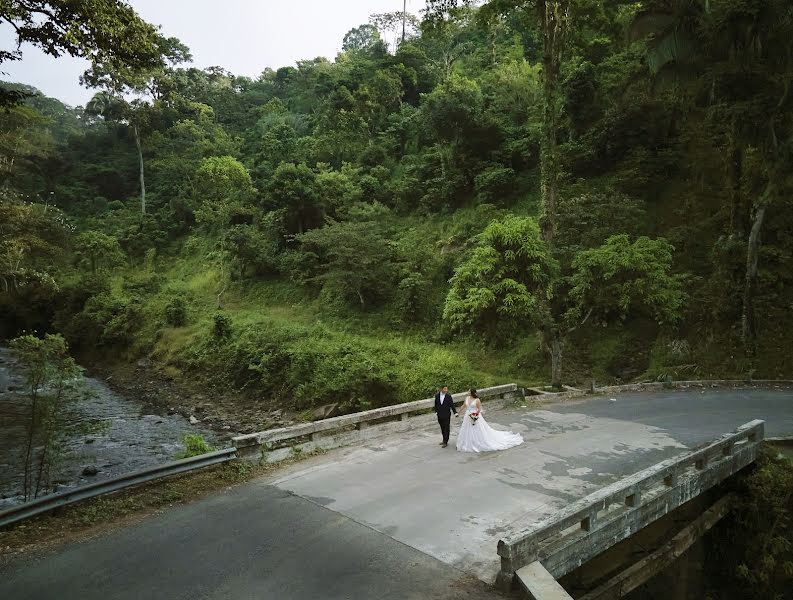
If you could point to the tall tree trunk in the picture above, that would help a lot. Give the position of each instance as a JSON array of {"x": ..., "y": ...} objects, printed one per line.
[
  {"x": 556, "y": 362},
  {"x": 43, "y": 474},
  {"x": 142, "y": 180},
  {"x": 553, "y": 16},
  {"x": 748, "y": 325},
  {"x": 223, "y": 282},
  {"x": 736, "y": 195},
  {"x": 28, "y": 475},
  {"x": 404, "y": 16}
]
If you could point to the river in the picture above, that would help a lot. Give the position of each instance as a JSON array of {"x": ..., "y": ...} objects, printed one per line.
[{"x": 105, "y": 431}]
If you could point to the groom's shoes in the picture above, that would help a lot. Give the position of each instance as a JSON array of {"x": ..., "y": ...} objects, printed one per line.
[{"x": 444, "y": 445}]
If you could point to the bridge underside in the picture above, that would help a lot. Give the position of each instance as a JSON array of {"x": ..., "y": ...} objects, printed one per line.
[{"x": 636, "y": 561}]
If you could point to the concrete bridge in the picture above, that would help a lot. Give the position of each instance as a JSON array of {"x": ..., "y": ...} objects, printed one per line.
[{"x": 395, "y": 516}]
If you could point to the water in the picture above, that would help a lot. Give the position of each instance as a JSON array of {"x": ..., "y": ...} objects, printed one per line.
[{"x": 106, "y": 431}]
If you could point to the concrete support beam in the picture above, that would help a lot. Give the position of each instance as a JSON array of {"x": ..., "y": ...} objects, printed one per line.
[
  {"x": 539, "y": 584},
  {"x": 648, "y": 567}
]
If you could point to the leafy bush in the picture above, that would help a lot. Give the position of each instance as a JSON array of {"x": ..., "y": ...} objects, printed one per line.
[
  {"x": 221, "y": 326},
  {"x": 195, "y": 445},
  {"x": 751, "y": 555},
  {"x": 495, "y": 185},
  {"x": 176, "y": 312},
  {"x": 356, "y": 261},
  {"x": 500, "y": 288}
]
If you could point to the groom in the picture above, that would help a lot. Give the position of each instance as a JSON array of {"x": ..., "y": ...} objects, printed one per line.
[{"x": 444, "y": 407}]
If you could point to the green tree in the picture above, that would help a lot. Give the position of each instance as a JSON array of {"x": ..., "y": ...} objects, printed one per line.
[
  {"x": 294, "y": 188},
  {"x": 510, "y": 280},
  {"x": 222, "y": 185},
  {"x": 111, "y": 34},
  {"x": 621, "y": 278},
  {"x": 223, "y": 188},
  {"x": 115, "y": 108},
  {"x": 501, "y": 288},
  {"x": 363, "y": 37},
  {"x": 97, "y": 250},
  {"x": 118, "y": 80},
  {"x": 355, "y": 262},
  {"x": 25, "y": 143},
  {"x": 52, "y": 381}
]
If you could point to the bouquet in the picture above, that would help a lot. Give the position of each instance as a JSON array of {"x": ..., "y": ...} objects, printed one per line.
[{"x": 474, "y": 417}]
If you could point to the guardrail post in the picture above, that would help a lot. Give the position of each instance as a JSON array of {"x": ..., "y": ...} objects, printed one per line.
[
  {"x": 588, "y": 522},
  {"x": 404, "y": 416},
  {"x": 633, "y": 499}
]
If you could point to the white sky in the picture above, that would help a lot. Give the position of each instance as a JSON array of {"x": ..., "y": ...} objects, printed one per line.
[{"x": 243, "y": 36}]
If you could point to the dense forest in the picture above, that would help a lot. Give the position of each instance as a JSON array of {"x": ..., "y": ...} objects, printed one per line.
[{"x": 542, "y": 191}]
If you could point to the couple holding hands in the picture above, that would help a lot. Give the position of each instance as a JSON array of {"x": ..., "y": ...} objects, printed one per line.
[{"x": 475, "y": 434}]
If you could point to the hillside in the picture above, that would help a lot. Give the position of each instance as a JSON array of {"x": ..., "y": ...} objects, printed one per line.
[{"x": 364, "y": 229}]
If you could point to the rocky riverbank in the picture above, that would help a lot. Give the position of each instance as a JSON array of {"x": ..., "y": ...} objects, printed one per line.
[
  {"x": 226, "y": 412},
  {"x": 106, "y": 433}
]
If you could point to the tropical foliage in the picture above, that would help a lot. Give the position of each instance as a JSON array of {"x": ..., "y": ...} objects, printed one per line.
[{"x": 505, "y": 186}]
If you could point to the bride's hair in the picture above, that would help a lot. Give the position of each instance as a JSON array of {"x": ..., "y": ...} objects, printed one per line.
[{"x": 472, "y": 391}]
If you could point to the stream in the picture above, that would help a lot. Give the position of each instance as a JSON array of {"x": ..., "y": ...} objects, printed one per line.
[{"x": 104, "y": 431}]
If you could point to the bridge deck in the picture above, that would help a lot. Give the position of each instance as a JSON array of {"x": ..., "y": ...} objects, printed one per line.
[{"x": 456, "y": 506}]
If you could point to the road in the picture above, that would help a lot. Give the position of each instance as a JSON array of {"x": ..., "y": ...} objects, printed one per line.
[{"x": 397, "y": 518}]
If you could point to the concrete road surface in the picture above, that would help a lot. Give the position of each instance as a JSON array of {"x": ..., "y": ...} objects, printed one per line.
[{"x": 397, "y": 518}]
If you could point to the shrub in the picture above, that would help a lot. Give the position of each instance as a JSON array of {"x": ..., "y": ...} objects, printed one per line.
[
  {"x": 495, "y": 185},
  {"x": 221, "y": 326},
  {"x": 176, "y": 312},
  {"x": 195, "y": 445}
]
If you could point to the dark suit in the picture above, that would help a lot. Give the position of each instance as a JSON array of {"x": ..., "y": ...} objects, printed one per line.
[{"x": 444, "y": 407}]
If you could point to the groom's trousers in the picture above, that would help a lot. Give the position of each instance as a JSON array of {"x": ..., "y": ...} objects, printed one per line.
[{"x": 445, "y": 423}]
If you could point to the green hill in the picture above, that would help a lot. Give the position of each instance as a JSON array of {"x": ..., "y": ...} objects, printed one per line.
[{"x": 455, "y": 210}]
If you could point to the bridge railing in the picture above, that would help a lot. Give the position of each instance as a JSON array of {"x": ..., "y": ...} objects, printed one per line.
[
  {"x": 337, "y": 431},
  {"x": 567, "y": 539}
]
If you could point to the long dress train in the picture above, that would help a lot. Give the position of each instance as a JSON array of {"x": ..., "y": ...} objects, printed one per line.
[{"x": 479, "y": 436}]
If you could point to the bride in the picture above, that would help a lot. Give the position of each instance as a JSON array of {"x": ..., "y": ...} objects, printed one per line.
[{"x": 476, "y": 435}]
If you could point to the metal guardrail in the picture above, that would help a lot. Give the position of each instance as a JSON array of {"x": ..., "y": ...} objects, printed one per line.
[{"x": 116, "y": 484}]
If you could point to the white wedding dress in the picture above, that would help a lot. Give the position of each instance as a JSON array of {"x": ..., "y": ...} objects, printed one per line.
[{"x": 479, "y": 436}]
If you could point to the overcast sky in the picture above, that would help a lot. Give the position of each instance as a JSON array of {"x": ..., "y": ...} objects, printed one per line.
[{"x": 243, "y": 36}]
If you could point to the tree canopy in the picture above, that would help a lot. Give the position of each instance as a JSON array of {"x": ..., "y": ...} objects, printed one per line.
[{"x": 586, "y": 186}]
